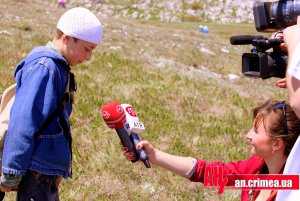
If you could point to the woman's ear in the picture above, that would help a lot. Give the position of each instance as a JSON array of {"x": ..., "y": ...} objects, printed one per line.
[{"x": 278, "y": 144}]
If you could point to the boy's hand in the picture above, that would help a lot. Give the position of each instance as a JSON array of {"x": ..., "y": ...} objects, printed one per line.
[{"x": 5, "y": 189}]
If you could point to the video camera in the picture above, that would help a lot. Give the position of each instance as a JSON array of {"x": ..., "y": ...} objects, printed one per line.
[
  {"x": 260, "y": 63},
  {"x": 269, "y": 16}
]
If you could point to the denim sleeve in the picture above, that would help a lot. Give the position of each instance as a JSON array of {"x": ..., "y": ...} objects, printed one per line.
[
  {"x": 11, "y": 181},
  {"x": 36, "y": 98}
]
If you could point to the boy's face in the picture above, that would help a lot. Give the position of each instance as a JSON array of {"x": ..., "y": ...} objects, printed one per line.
[{"x": 77, "y": 51}]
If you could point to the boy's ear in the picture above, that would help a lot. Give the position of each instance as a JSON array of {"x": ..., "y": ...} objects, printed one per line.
[
  {"x": 278, "y": 144},
  {"x": 65, "y": 38}
]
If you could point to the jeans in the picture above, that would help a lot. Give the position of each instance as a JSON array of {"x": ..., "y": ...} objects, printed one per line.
[{"x": 38, "y": 187}]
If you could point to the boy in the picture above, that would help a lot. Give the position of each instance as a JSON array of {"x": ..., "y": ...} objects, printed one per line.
[{"x": 37, "y": 150}]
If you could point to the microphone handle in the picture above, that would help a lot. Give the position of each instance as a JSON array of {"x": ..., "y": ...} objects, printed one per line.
[
  {"x": 126, "y": 141},
  {"x": 141, "y": 153}
]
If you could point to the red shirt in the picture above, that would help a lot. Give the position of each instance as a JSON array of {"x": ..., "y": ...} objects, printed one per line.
[{"x": 253, "y": 165}]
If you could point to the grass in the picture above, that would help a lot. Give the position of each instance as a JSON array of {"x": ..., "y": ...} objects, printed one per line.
[{"x": 185, "y": 111}]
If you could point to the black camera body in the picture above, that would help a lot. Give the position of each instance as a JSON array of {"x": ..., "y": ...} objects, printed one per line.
[
  {"x": 266, "y": 58},
  {"x": 260, "y": 62},
  {"x": 263, "y": 65}
]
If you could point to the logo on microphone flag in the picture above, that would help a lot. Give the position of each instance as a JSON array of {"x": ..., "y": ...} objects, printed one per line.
[{"x": 130, "y": 111}]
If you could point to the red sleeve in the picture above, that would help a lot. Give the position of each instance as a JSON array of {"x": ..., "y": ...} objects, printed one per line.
[{"x": 250, "y": 166}]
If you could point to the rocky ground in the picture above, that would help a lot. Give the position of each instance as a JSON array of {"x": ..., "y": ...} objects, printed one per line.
[{"x": 221, "y": 11}]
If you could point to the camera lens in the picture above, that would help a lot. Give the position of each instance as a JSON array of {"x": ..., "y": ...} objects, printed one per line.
[{"x": 271, "y": 16}]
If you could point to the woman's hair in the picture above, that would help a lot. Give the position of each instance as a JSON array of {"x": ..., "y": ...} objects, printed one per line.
[{"x": 281, "y": 120}]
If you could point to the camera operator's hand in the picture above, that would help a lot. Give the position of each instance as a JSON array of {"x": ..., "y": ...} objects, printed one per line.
[
  {"x": 281, "y": 83},
  {"x": 279, "y": 35},
  {"x": 283, "y": 47}
]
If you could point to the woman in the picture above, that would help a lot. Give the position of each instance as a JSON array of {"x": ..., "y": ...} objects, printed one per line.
[{"x": 274, "y": 132}]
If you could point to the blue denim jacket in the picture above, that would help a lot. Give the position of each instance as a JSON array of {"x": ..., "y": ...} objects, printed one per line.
[{"x": 41, "y": 82}]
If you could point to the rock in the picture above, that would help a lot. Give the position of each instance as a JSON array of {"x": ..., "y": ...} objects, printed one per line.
[
  {"x": 225, "y": 50},
  {"x": 233, "y": 77},
  {"x": 115, "y": 47},
  {"x": 206, "y": 50},
  {"x": 148, "y": 187},
  {"x": 135, "y": 15},
  {"x": 5, "y": 32}
]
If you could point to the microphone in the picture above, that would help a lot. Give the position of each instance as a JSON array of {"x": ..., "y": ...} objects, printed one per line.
[
  {"x": 245, "y": 39},
  {"x": 135, "y": 127},
  {"x": 115, "y": 117}
]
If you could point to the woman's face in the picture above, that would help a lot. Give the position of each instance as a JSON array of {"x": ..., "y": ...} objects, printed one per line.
[{"x": 260, "y": 141}]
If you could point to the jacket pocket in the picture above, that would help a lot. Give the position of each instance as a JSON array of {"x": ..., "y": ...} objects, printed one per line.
[{"x": 52, "y": 152}]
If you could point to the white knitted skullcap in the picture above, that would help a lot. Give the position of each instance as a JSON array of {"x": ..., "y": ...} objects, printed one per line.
[{"x": 82, "y": 24}]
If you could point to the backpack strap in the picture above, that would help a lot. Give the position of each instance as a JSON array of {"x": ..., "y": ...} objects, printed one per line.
[
  {"x": 7, "y": 96},
  {"x": 7, "y": 100}
]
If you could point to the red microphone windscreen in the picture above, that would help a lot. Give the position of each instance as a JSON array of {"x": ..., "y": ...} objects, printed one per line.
[{"x": 113, "y": 115}]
